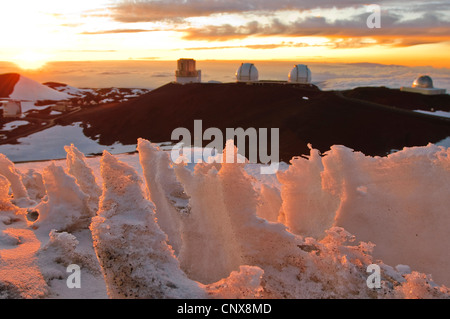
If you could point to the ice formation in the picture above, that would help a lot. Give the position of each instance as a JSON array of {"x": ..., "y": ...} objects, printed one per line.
[
  {"x": 62, "y": 249},
  {"x": 5, "y": 199},
  {"x": 65, "y": 207},
  {"x": 219, "y": 230},
  {"x": 34, "y": 183},
  {"x": 270, "y": 204},
  {"x": 8, "y": 170},
  {"x": 132, "y": 250},
  {"x": 307, "y": 210},
  {"x": 224, "y": 205},
  {"x": 61, "y": 252},
  {"x": 226, "y": 226},
  {"x": 163, "y": 189},
  {"x": 136, "y": 260},
  {"x": 77, "y": 167},
  {"x": 399, "y": 202},
  {"x": 243, "y": 283}
]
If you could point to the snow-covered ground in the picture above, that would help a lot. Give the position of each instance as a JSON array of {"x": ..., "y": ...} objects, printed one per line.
[
  {"x": 73, "y": 91},
  {"x": 140, "y": 226},
  {"x": 36, "y": 96},
  {"x": 435, "y": 113},
  {"x": 14, "y": 124},
  {"x": 28, "y": 89},
  {"x": 49, "y": 144},
  {"x": 91, "y": 96}
]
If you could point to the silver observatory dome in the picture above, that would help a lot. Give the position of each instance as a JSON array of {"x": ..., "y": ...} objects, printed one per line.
[
  {"x": 247, "y": 72},
  {"x": 423, "y": 81},
  {"x": 300, "y": 73}
]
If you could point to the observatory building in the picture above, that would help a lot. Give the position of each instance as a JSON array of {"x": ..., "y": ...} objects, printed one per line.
[
  {"x": 247, "y": 72},
  {"x": 300, "y": 73},
  {"x": 11, "y": 108},
  {"x": 186, "y": 72},
  {"x": 424, "y": 85}
]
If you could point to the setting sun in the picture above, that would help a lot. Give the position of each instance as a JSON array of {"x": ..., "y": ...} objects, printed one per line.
[{"x": 30, "y": 60}]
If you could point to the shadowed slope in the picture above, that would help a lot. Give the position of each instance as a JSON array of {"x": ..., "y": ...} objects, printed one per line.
[
  {"x": 7, "y": 83},
  {"x": 303, "y": 114}
]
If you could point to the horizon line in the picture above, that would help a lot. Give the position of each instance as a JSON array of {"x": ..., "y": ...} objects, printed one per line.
[{"x": 316, "y": 61}]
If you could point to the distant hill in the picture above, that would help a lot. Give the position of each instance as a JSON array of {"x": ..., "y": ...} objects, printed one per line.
[
  {"x": 95, "y": 96},
  {"x": 303, "y": 115},
  {"x": 397, "y": 98},
  {"x": 68, "y": 89},
  {"x": 16, "y": 86}
]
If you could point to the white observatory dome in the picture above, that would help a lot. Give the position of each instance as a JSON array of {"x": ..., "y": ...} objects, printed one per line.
[
  {"x": 247, "y": 72},
  {"x": 300, "y": 73},
  {"x": 423, "y": 81}
]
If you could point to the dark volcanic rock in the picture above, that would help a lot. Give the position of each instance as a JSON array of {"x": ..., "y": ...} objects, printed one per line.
[
  {"x": 7, "y": 83},
  {"x": 55, "y": 85}
]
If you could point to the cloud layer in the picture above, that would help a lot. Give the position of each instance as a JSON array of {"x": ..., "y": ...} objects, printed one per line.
[
  {"x": 426, "y": 29},
  {"x": 418, "y": 22},
  {"x": 157, "y": 10}
]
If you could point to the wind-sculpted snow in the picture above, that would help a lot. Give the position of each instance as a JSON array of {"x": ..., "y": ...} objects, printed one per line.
[
  {"x": 220, "y": 230},
  {"x": 308, "y": 207},
  {"x": 65, "y": 207},
  {"x": 5, "y": 200},
  {"x": 399, "y": 202},
  {"x": 162, "y": 186},
  {"x": 34, "y": 183},
  {"x": 223, "y": 221},
  {"x": 224, "y": 203},
  {"x": 270, "y": 204},
  {"x": 76, "y": 165},
  {"x": 8, "y": 170},
  {"x": 132, "y": 250}
]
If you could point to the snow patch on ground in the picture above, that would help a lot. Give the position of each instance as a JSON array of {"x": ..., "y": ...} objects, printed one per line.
[
  {"x": 49, "y": 144},
  {"x": 13, "y": 125},
  {"x": 28, "y": 89},
  {"x": 74, "y": 91},
  {"x": 435, "y": 113}
]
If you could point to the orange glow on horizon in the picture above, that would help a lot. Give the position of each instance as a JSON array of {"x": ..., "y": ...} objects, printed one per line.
[
  {"x": 49, "y": 30},
  {"x": 30, "y": 60}
]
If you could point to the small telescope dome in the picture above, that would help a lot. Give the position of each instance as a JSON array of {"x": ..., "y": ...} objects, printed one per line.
[{"x": 423, "y": 81}]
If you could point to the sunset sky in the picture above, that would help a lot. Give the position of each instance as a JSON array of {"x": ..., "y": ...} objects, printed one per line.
[{"x": 413, "y": 32}]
